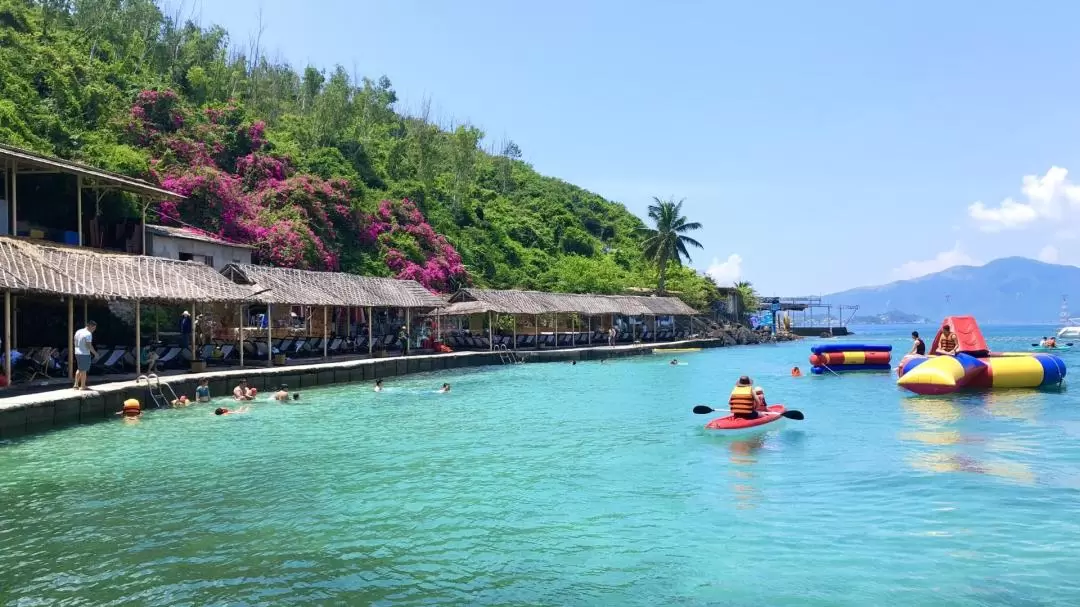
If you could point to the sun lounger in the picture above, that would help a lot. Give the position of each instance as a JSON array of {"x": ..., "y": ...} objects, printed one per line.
[{"x": 115, "y": 362}]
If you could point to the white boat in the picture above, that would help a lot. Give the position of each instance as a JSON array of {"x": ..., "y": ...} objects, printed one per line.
[{"x": 1069, "y": 332}]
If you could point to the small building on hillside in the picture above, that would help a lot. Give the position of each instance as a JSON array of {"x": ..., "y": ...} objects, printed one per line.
[{"x": 191, "y": 245}]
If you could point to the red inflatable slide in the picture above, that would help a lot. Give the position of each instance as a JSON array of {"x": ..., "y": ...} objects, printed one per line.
[{"x": 968, "y": 336}]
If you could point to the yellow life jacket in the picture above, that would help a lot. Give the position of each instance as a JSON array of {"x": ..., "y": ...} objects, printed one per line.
[{"x": 741, "y": 400}]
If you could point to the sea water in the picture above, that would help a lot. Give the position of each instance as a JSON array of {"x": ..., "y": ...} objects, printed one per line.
[{"x": 559, "y": 484}]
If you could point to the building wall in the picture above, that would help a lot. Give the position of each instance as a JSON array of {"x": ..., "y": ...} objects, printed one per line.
[{"x": 220, "y": 255}]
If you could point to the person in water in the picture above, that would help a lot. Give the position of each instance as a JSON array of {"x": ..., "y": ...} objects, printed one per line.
[
  {"x": 796, "y": 372},
  {"x": 224, "y": 411},
  {"x": 242, "y": 392},
  {"x": 202, "y": 392},
  {"x": 296, "y": 396},
  {"x": 918, "y": 346},
  {"x": 378, "y": 385},
  {"x": 282, "y": 394},
  {"x": 445, "y": 388},
  {"x": 742, "y": 401},
  {"x": 182, "y": 401},
  {"x": 947, "y": 343},
  {"x": 674, "y": 362}
]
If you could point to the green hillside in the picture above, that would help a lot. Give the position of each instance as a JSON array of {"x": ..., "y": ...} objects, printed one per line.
[{"x": 299, "y": 162}]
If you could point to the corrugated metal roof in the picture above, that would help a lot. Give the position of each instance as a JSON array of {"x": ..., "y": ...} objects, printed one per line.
[{"x": 99, "y": 176}]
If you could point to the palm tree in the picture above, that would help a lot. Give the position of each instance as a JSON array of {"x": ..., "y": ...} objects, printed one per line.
[
  {"x": 748, "y": 300},
  {"x": 667, "y": 241}
]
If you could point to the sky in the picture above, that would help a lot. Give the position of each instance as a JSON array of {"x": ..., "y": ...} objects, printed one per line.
[{"x": 823, "y": 146}]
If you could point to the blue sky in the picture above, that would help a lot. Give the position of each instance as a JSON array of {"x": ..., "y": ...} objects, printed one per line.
[{"x": 823, "y": 147}]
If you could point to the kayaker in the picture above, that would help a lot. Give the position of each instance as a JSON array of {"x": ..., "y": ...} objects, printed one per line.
[
  {"x": 918, "y": 346},
  {"x": 1042, "y": 342},
  {"x": 796, "y": 372},
  {"x": 1051, "y": 342},
  {"x": 947, "y": 343},
  {"x": 742, "y": 402}
]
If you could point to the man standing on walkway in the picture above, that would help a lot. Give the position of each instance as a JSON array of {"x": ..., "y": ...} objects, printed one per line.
[{"x": 84, "y": 353}]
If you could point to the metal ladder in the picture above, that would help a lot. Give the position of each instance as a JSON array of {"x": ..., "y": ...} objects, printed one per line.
[
  {"x": 506, "y": 355},
  {"x": 156, "y": 390}
]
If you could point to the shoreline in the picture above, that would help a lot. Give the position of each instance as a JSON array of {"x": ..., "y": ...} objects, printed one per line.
[{"x": 40, "y": 412}]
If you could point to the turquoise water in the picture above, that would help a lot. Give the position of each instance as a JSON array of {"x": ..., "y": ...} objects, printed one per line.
[{"x": 558, "y": 484}]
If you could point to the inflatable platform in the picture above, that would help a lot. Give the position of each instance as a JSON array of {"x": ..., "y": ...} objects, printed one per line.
[
  {"x": 850, "y": 357},
  {"x": 974, "y": 367}
]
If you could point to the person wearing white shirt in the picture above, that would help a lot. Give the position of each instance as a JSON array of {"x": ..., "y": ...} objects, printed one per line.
[{"x": 84, "y": 353}]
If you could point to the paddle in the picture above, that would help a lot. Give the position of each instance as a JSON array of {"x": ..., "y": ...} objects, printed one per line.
[
  {"x": 790, "y": 414},
  {"x": 1038, "y": 346}
]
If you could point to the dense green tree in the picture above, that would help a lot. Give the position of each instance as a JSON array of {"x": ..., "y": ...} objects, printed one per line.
[
  {"x": 73, "y": 69},
  {"x": 667, "y": 242}
]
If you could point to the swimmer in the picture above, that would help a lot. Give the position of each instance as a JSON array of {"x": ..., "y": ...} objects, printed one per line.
[
  {"x": 795, "y": 372},
  {"x": 445, "y": 388},
  {"x": 202, "y": 393},
  {"x": 674, "y": 362},
  {"x": 224, "y": 411},
  {"x": 132, "y": 410},
  {"x": 282, "y": 394},
  {"x": 378, "y": 385},
  {"x": 181, "y": 402},
  {"x": 573, "y": 362},
  {"x": 296, "y": 396},
  {"x": 242, "y": 392}
]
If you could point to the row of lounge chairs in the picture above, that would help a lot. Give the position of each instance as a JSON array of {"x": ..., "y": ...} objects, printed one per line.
[
  {"x": 46, "y": 362},
  {"x": 562, "y": 340}
]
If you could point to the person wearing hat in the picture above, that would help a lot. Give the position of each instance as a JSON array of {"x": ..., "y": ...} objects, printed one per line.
[
  {"x": 185, "y": 329},
  {"x": 742, "y": 401}
]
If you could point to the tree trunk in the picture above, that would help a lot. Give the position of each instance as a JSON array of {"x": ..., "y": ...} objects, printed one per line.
[{"x": 663, "y": 276}]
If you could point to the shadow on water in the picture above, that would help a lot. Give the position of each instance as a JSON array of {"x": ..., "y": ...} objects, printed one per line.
[{"x": 939, "y": 428}]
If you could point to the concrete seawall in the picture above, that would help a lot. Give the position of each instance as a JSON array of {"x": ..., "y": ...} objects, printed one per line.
[{"x": 36, "y": 413}]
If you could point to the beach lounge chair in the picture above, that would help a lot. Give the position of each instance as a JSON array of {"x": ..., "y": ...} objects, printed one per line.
[
  {"x": 284, "y": 345},
  {"x": 170, "y": 358},
  {"x": 38, "y": 363},
  {"x": 115, "y": 362},
  {"x": 335, "y": 345}
]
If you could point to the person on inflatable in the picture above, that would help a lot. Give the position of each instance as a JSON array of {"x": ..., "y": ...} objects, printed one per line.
[
  {"x": 947, "y": 343},
  {"x": 796, "y": 372},
  {"x": 918, "y": 346},
  {"x": 742, "y": 402}
]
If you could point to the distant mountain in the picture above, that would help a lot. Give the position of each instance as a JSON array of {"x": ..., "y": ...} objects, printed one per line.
[
  {"x": 892, "y": 317},
  {"x": 1011, "y": 290}
]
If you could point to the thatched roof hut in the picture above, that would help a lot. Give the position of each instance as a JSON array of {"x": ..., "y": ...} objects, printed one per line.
[
  {"x": 287, "y": 286},
  {"x": 474, "y": 301},
  {"x": 53, "y": 269}
]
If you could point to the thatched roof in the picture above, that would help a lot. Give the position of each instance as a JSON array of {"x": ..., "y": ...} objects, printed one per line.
[
  {"x": 93, "y": 176},
  {"x": 30, "y": 267},
  {"x": 286, "y": 286},
  {"x": 536, "y": 302}
]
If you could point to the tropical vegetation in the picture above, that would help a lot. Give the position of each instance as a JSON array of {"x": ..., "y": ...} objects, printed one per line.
[{"x": 316, "y": 169}]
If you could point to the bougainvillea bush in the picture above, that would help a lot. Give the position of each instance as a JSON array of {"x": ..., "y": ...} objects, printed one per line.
[{"x": 237, "y": 189}]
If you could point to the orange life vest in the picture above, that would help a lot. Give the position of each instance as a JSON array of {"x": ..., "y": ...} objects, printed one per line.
[
  {"x": 947, "y": 342},
  {"x": 741, "y": 400}
]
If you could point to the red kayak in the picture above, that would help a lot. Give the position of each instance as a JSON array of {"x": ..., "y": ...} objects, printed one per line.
[{"x": 734, "y": 423}]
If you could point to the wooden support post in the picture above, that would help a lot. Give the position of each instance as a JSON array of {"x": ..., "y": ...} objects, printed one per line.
[
  {"x": 555, "y": 329},
  {"x": 515, "y": 332},
  {"x": 71, "y": 337},
  {"x": 241, "y": 335},
  {"x": 370, "y": 321},
  {"x": 7, "y": 336},
  {"x": 194, "y": 334},
  {"x": 325, "y": 331},
  {"x": 408, "y": 331},
  {"x": 590, "y": 329},
  {"x": 14, "y": 202},
  {"x": 491, "y": 341},
  {"x": 138, "y": 337},
  {"x": 269, "y": 336},
  {"x": 78, "y": 204}
]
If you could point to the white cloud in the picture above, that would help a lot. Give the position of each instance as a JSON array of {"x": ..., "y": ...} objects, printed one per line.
[
  {"x": 726, "y": 272},
  {"x": 1047, "y": 197},
  {"x": 1049, "y": 254},
  {"x": 945, "y": 259}
]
